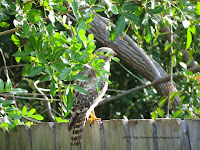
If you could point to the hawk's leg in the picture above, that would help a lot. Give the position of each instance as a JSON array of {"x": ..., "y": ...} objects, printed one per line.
[{"x": 93, "y": 117}]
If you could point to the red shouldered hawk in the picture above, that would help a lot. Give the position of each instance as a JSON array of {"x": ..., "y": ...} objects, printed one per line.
[{"x": 85, "y": 104}]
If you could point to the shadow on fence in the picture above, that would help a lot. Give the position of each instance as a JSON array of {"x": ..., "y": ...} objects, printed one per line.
[{"x": 143, "y": 134}]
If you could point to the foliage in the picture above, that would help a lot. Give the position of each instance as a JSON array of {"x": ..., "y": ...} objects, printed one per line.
[
  {"x": 54, "y": 50},
  {"x": 9, "y": 113}
]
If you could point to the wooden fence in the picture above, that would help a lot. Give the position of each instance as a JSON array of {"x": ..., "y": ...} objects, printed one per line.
[{"x": 143, "y": 134}]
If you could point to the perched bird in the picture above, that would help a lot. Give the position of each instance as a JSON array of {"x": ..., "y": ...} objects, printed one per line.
[{"x": 85, "y": 104}]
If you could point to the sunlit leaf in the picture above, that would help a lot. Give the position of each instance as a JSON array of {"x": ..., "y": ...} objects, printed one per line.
[
  {"x": 24, "y": 110},
  {"x": 8, "y": 85},
  {"x": 31, "y": 112},
  {"x": 15, "y": 40},
  {"x": 189, "y": 39},
  {"x": 34, "y": 15},
  {"x": 37, "y": 117},
  {"x": 65, "y": 72},
  {"x": 4, "y": 24},
  {"x": 112, "y": 34}
]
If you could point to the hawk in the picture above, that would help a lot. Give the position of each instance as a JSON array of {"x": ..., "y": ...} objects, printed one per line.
[{"x": 85, "y": 104}]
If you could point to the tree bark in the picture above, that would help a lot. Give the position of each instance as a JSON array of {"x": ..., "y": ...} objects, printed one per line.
[{"x": 129, "y": 54}]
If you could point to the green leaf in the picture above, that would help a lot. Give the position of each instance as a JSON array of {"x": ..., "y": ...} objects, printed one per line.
[
  {"x": 24, "y": 110},
  {"x": 59, "y": 119},
  {"x": 79, "y": 89},
  {"x": 21, "y": 54},
  {"x": 115, "y": 59},
  {"x": 26, "y": 28},
  {"x": 130, "y": 6},
  {"x": 2, "y": 100},
  {"x": 8, "y": 103},
  {"x": 75, "y": 9},
  {"x": 31, "y": 112},
  {"x": 192, "y": 29},
  {"x": 14, "y": 116},
  {"x": 97, "y": 86},
  {"x": 49, "y": 70},
  {"x": 132, "y": 17},
  {"x": 65, "y": 72},
  {"x": 189, "y": 38},
  {"x": 156, "y": 10},
  {"x": 32, "y": 41},
  {"x": 34, "y": 15},
  {"x": 65, "y": 60},
  {"x": 114, "y": 9},
  {"x": 37, "y": 117},
  {"x": 168, "y": 46},
  {"x": 60, "y": 8},
  {"x": 18, "y": 91},
  {"x": 4, "y": 24},
  {"x": 1, "y": 85},
  {"x": 8, "y": 85},
  {"x": 42, "y": 58},
  {"x": 148, "y": 35},
  {"x": 10, "y": 109},
  {"x": 161, "y": 112},
  {"x": 44, "y": 78},
  {"x": 120, "y": 25},
  {"x": 70, "y": 99},
  {"x": 80, "y": 77},
  {"x": 35, "y": 71},
  {"x": 27, "y": 6},
  {"x": 198, "y": 8},
  {"x": 53, "y": 89},
  {"x": 15, "y": 40},
  {"x": 112, "y": 34},
  {"x": 177, "y": 114},
  {"x": 82, "y": 34}
]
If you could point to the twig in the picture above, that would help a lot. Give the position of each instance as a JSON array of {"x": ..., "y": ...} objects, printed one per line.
[
  {"x": 158, "y": 81},
  {"x": 33, "y": 120},
  {"x": 49, "y": 113},
  {"x": 129, "y": 71},
  {"x": 116, "y": 90},
  {"x": 14, "y": 66},
  {"x": 4, "y": 60}
]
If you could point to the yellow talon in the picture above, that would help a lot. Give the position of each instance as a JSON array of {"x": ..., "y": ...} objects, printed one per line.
[{"x": 93, "y": 117}]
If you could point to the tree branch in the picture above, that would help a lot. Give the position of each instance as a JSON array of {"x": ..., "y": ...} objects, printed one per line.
[{"x": 158, "y": 81}]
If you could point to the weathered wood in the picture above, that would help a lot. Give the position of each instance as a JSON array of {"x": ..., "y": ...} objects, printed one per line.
[
  {"x": 91, "y": 137},
  {"x": 168, "y": 134},
  {"x": 115, "y": 135},
  {"x": 193, "y": 126},
  {"x": 63, "y": 136},
  {"x": 141, "y": 134},
  {"x": 23, "y": 138},
  {"x": 42, "y": 137},
  {"x": 3, "y": 140}
]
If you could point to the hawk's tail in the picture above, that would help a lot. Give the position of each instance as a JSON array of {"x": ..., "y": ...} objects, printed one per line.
[{"x": 77, "y": 132}]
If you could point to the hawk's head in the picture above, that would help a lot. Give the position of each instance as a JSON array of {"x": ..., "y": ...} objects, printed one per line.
[{"x": 106, "y": 53}]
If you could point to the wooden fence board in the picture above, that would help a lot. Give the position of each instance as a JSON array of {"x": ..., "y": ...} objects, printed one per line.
[
  {"x": 2, "y": 139},
  {"x": 13, "y": 140},
  {"x": 91, "y": 137},
  {"x": 23, "y": 138},
  {"x": 63, "y": 136},
  {"x": 141, "y": 134},
  {"x": 42, "y": 137},
  {"x": 114, "y": 133},
  {"x": 193, "y": 126},
  {"x": 169, "y": 134}
]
